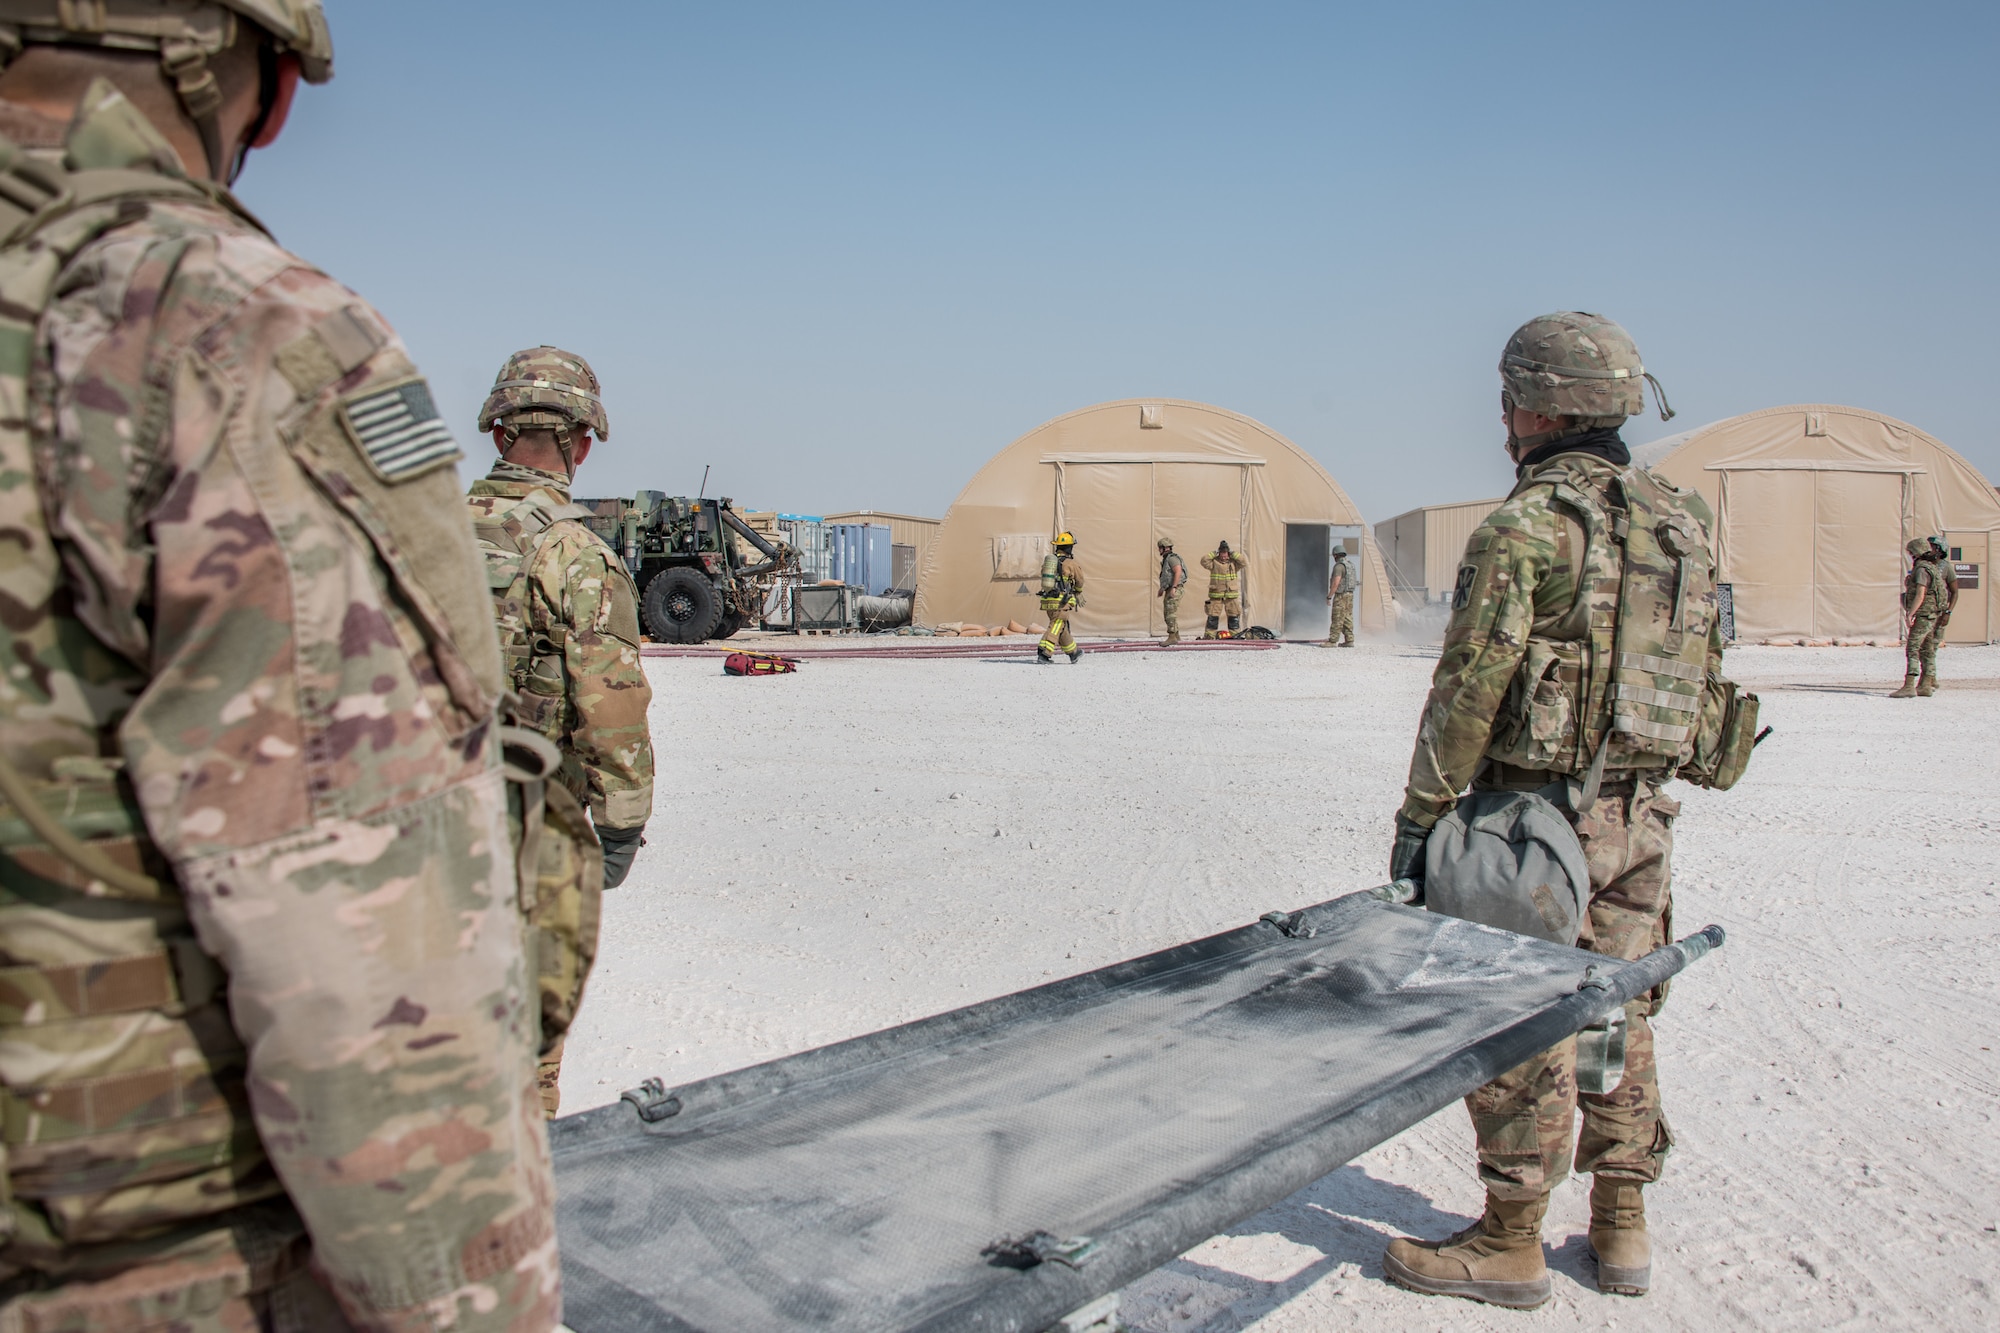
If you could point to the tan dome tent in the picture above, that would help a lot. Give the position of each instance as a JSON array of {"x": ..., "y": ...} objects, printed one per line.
[
  {"x": 1121, "y": 475},
  {"x": 1813, "y": 504}
]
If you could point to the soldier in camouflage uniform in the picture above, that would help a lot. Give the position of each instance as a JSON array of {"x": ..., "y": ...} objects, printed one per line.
[
  {"x": 267, "y": 1059},
  {"x": 1173, "y": 580},
  {"x": 1340, "y": 598},
  {"x": 1930, "y": 592},
  {"x": 569, "y": 628},
  {"x": 1558, "y": 675}
]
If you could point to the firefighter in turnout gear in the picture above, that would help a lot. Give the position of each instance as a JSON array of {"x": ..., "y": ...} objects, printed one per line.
[
  {"x": 1583, "y": 661},
  {"x": 1173, "y": 580},
  {"x": 1062, "y": 597},
  {"x": 569, "y": 633},
  {"x": 1225, "y": 594},
  {"x": 1930, "y": 591}
]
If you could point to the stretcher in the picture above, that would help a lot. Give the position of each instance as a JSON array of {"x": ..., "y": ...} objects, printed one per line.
[{"x": 1005, "y": 1165}]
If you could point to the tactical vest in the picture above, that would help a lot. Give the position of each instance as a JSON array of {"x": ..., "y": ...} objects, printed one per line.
[
  {"x": 510, "y": 544},
  {"x": 1170, "y": 567},
  {"x": 122, "y": 1106},
  {"x": 1933, "y": 592},
  {"x": 1619, "y": 682},
  {"x": 558, "y": 851}
]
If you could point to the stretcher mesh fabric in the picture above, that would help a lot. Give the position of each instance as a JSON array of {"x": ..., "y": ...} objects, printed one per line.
[{"x": 854, "y": 1187}]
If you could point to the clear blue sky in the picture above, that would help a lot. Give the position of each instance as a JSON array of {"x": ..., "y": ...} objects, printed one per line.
[{"x": 846, "y": 252}]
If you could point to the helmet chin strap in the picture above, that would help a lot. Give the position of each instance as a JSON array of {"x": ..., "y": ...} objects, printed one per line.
[
  {"x": 186, "y": 67},
  {"x": 565, "y": 438}
]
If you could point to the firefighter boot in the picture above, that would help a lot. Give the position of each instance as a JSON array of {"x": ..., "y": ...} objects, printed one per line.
[
  {"x": 1209, "y": 633},
  {"x": 1618, "y": 1239},
  {"x": 1928, "y": 685},
  {"x": 1497, "y": 1259},
  {"x": 1235, "y": 626},
  {"x": 1043, "y": 655},
  {"x": 1075, "y": 653},
  {"x": 1909, "y": 690}
]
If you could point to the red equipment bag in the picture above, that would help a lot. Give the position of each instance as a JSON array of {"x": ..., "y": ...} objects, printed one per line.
[{"x": 757, "y": 664}]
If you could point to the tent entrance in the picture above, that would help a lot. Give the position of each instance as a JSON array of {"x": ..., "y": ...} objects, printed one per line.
[
  {"x": 1845, "y": 579},
  {"x": 1120, "y": 506},
  {"x": 1308, "y": 560}
]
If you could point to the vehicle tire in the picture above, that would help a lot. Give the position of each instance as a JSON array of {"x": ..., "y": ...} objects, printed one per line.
[
  {"x": 729, "y": 622},
  {"x": 680, "y": 606}
]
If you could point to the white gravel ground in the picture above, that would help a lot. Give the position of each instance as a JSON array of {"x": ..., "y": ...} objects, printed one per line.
[{"x": 957, "y": 830}]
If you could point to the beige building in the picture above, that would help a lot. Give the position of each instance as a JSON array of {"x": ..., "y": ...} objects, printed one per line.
[
  {"x": 1120, "y": 475},
  {"x": 1422, "y": 547},
  {"x": 909, "y": 535},
  {"x": 1813, "y": 504}
]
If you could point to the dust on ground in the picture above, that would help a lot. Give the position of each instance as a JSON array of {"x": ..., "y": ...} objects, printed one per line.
[{"x": 867, "y": 842}]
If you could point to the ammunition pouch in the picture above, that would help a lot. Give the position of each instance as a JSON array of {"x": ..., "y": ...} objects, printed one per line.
[
  {"x": 560, "y": 866},
  {"x": 1725, "y": 735},
  {"x": 1538, "y": 720}
]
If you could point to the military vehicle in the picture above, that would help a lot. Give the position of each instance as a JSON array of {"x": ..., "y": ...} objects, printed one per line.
[{"x": 689, "y": 560}]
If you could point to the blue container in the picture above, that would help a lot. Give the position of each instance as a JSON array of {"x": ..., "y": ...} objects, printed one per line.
[{"x": 862, "y": 556}]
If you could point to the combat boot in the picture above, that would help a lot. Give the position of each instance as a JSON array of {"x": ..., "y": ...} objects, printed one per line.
[
  {"x": 1618, "y": 1239},
  {"x": 1173, "y": 637},
  {"x": 1927, "y": 686},
  {"x": 1497, "y": 1259},
  {"x": 1909, "y": 690}
]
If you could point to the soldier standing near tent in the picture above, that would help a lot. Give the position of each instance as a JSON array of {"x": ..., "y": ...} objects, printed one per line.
[
  {"x": 1340, "y": 598},
  {"x": 569, "y": 633},
  {"x": 1173, "y": 578},
  {"x": 1062, "y": 597},
  {"x": 1618, "y": 652},
  {"x": 267, "y": 1043},
  {"x": 1225, "y": 596},
  {"x": 1930, "y": 592}
]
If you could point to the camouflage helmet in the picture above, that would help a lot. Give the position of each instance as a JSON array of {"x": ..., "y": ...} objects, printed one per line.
[
  {"x": 184, "y": 32},
  {"x": 1917, "y": 546},
  {"x": 1165, "y": 543},
  {"x": 544, "y": 388},
  {"x": 187, "y": 34},
  {"x": 1576, "y": 364}
]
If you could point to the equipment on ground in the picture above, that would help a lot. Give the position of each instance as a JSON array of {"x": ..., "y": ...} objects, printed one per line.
[
  {"x": 757, "y": 664},
  {"x": 1003, "y": 1166},
  {"x": 687, "y": 558}
]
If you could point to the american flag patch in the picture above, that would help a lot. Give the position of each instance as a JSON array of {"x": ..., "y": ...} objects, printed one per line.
[{"x": 399, "y": 430}]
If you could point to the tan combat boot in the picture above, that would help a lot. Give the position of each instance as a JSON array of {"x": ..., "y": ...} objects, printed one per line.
[
  {"x": 1498, "y": 1259},
  {"x": 1618, "y": 1239},
  {"x": 1173, "y": 637},
  {"x": 1909, "y": 690},
  {"x": 1927, "y": 686}
]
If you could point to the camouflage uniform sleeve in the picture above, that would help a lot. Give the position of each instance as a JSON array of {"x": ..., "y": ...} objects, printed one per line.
[
  {"x": 313, "y": 750},
  {"x": 609, "y": 757},
  {"x": 1493, "y": 607}
]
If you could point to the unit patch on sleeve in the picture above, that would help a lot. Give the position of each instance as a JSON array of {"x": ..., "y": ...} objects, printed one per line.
[{"x": 399, "y": 430}]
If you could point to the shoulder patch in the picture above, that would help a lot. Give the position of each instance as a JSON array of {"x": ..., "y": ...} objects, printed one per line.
[
  {"x": 1462, "y": 592},
  {"x": 399, "y": 430}
]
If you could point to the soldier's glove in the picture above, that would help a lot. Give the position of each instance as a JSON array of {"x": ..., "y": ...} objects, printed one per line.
[
  {"x": 1406, "y": 854},
  {"x": 621, "y": 845}
]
